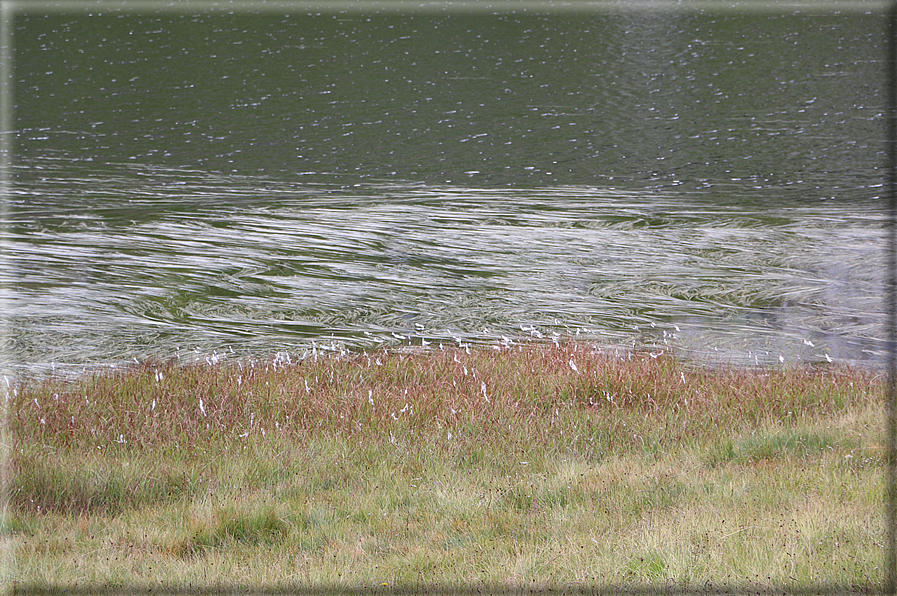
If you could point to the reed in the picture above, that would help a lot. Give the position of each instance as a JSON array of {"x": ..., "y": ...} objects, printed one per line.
[{"x": 534, "y": 465}]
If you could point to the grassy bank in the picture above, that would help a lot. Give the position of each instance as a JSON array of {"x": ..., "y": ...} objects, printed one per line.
[{"x": 532, "y": 467}]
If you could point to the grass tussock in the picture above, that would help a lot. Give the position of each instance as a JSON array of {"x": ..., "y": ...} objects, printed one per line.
[
  {"x": 535, "y": 466},
  {"x": 232, "y": 525}
]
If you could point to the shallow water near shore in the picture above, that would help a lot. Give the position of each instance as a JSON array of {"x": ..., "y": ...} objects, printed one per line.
[
  {"x": 693, "y": 181},
  {"x": 406, "y": 265}
]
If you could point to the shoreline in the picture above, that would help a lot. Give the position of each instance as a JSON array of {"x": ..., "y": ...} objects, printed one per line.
[{"x": 704, "y": 359}]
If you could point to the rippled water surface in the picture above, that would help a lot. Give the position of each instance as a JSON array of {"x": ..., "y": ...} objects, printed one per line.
[{"x": 197, "y": 184}]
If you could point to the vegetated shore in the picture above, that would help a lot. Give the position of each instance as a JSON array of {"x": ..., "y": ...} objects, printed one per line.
[{"x": 535, "y": 466}]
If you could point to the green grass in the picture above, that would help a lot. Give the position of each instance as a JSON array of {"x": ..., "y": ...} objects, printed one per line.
[{"x": 351, "y": 472}]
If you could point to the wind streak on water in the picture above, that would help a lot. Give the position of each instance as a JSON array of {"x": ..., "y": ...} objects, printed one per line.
[{"x": 211, "y": 264}]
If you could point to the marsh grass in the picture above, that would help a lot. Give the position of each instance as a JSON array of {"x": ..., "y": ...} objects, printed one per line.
[{"x": 533, "y": 466}]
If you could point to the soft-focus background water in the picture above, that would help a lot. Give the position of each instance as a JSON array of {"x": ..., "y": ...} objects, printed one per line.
[{"x": 201, "y": 183}]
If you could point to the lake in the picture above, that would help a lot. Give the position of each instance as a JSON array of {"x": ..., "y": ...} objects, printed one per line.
[{"x": 196, "y": 183}]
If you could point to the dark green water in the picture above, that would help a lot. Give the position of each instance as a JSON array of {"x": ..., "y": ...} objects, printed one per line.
[{"x": 201, "y": 183}]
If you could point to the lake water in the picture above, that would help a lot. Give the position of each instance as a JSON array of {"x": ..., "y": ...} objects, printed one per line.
[{"x": 193, "y": 183}]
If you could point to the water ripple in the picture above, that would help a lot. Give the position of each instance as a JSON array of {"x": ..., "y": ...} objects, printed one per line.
[{"x": 262, "y": 269}]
